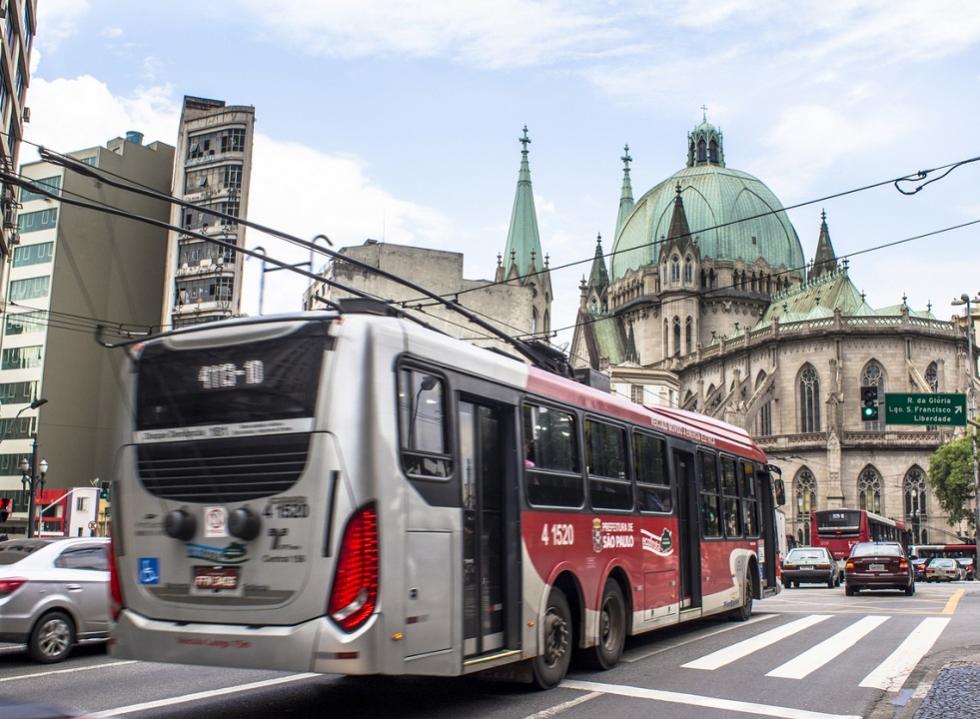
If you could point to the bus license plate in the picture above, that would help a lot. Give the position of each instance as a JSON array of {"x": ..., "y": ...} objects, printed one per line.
[
  {"x": 877, "y": 567},
  {"x": 216, "y": 579}
]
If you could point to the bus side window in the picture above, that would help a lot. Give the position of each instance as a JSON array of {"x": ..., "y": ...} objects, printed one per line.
[
  {"x": 423, "y": 425},
  {"x": 551, "y": 458},
  {"x": 652, "y": 479},
  {"x": 609, "y": 486},
  {"x": 750, "y": 499},
  {"x": 729, "y": 488},
  {"x": 710, "y": 513}
]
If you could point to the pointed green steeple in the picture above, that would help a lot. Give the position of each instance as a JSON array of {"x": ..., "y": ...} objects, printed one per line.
[
  {"x": 522, "y": 255},
  {"x": 824, "y": 260},
  {"x": 598, "y": 277},
  {"x": 626, "y": 196}
]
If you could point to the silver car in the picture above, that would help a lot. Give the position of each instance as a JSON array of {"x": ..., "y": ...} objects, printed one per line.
[{"x": 54, "y": 593}]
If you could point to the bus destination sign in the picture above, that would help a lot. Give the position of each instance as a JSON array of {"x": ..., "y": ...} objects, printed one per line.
[{"x": 933, "y": 408}]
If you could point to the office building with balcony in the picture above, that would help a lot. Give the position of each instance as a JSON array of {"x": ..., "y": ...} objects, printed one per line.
[
  {"x": 214, "y": 160},
  {"x": 71, "y": 269}
]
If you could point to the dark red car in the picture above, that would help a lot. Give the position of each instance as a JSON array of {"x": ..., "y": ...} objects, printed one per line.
[{"x": 878, "y": 565}]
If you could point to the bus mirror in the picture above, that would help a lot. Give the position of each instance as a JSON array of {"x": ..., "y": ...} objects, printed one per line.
[{"x": 780, "y": 489}]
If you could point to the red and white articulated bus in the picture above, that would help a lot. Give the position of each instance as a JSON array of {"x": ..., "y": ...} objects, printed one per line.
[
  {"x": 346, "y": 492},
  {"x": 840, "y": 529}
]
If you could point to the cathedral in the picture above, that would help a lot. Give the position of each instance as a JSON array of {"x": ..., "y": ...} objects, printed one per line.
[{"x": 707, "y": 303}]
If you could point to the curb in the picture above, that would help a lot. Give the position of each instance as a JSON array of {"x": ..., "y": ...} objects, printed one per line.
[{"x": 906, "y": 703}]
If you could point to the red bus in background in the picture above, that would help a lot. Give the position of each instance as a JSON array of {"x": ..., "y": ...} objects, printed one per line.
[{"x": 840, "y": 529}]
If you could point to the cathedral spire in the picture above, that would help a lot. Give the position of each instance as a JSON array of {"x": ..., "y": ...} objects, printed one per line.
[
  {"x": 679, "y": 229},
  {"x": 598, "y": 277},
  {"x": 704, "y": 143},
  {"x": 824, "y": 259},
  {"x": 523, "y": 243},
  {"x": 626, "y": 196}
]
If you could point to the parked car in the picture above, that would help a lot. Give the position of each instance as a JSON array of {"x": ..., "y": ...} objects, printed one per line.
[
  {"x": 943, "y": 569},
  {"x": 878, "y": 565},
  {"x": 966, "y": 564},
  {"x": 810, "y": 564},
  {"x": 919, "y": 567},
  {"x": 54, "y": 594}
]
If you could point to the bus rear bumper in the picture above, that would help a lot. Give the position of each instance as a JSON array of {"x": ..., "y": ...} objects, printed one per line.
[{"x": 283, "y": 648}]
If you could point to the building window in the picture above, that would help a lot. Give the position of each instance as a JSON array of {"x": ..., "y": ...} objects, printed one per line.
[
  {"x": 675, "y": 269},
  {"x": 19, "y": 89},
  {"x": 90, "y": 160},
  {"x": 30, "y": 289},
  {"x": 677, "y": 336},
  {"x": 689, "y": 335},
  {"x": 809, "y": 386},
  {"x": 194, "y": 253},
  {"x": 35, "y": 221},
  {"x": 18, "y": 427},
  {"x": 33, "y": 254},
  {"x": 215, "y": 179},
  {"x": 20, "y": 323},
  {"x": 873, "y": 376},
  {"x": 869, "y": 490},
  {"x": 21, "y": 357},
  {"x": 49, "y": 183},
  {"x": 25, "y": 26},
  {"x": 805, "y": 491},
  {"x": 211, "y": 289},
  {"x": 17, "y": 392},
  {"x": 81, "y": 504},
  {"x": 915, "y": 498},
  {"x": 702, "y": 151},
  {"x": 636, "y": 393},
  {"x": 233, "y": 140},
  {"x": 765, "y": 419},
  {"x": 688, "y": 270},
  {"x": 932, "y": 376},
  {"x": 713, "y": 151}
]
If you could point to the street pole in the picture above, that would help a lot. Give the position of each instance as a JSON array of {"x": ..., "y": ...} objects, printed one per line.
[
  {"x": 972, "y": 371},
  {"x": 30, "y": 486}
]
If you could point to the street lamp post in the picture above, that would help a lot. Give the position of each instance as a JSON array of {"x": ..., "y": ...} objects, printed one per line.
[
  {"x": 972, "y": 372},
  {"x": 32, "y": 482},
  {"x": 33, "y": 405}
]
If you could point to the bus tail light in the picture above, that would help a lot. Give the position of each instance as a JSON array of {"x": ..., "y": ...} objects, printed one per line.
[
  {"x": 115, "y": 591},
  {"x": 354, "y": 595}
]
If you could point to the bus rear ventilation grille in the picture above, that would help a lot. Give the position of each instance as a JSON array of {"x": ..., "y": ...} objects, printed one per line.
[{"x": 223, "y": 470}]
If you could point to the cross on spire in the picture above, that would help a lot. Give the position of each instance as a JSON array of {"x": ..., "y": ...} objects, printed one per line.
[
  {"x": 525, "y": 140},
  {"x": 626, "y": 158},
  {"x": 704, "y": 113}
]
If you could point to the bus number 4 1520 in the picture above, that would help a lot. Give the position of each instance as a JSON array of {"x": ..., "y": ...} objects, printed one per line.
[{"x": 561, "y": 534}]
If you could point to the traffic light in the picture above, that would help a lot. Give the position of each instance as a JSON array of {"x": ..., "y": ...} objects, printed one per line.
[
  {"x": 103, "y": 490},
  {"x": 5, "y": 506},
  {"x": 869, "y": 403}
]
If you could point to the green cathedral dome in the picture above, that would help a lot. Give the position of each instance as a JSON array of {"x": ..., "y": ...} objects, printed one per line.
[{"x": 713, "y": 195}]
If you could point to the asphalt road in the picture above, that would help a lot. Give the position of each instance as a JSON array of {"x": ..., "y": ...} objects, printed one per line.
[{"x": 809, "y": 653}]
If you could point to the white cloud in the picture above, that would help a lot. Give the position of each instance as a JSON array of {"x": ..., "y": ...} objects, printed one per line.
[
  {"x": 57, "y": 20},
  {"x": 294, "y": 188},
  {"x": 485, "y": 33},
  {"x": 112, "y": 32}
]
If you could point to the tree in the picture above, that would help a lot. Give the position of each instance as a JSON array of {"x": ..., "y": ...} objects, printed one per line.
[{"x": 951, "y": 479}]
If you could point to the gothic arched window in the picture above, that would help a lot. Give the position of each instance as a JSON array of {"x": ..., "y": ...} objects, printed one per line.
[
  {"x": 677, "y": 336},
  {"x": 809, "y": 385},
  {"x": 915, "y": 495},
  {"x": 702, "y": 151},
  {"x": 534, "y": 320},
  {"x": 874, "y": 376},
  {"x": 688, "y": 269},
  {"x": 711, "y": 278},
  {"x": 666, "y": 337},
  {"x": 869, "y": 490},
  {"x": 675, "y": 269},
  {"x": 713, "y": 151},
  {"x": 805, "y": 492},
  {"x": 932, "y": 376},
  {"x": 689, "y": 335}
]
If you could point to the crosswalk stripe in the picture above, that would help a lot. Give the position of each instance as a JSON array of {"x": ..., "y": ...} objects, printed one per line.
[
  {"x": 741, "y": 649},
  {"x": 891, "y": 674},
  {"x": 819, "y": 654}
]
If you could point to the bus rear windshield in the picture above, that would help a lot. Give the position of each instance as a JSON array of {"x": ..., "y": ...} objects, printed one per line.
[
  {"x": 256, "y": 381},
  {"x": 839, "y": 523}
]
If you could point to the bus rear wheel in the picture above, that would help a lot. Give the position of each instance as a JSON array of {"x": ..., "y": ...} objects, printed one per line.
[
  {"x": 612, "y": 629},
  {"x": 742, "y": 613},
  {"x": 551, "y": 665}
]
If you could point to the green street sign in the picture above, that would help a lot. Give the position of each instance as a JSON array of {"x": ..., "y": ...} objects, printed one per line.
[{"x": 933, "y": 409}]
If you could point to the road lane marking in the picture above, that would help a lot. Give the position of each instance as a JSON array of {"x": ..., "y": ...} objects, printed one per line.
[
  {"x": 132, "y": 708},
  {"x": 730, "y": 705},
  {"x": 819, "y": 654},
  {"x": 953, "y": 601},
  {"x": 741, "y": 649},
  {"x": 891, "y": 674},
  {"x": 68, "y": 671},
  {"x": 666, "y": 647},
  {"x": 559, "y": 708}
]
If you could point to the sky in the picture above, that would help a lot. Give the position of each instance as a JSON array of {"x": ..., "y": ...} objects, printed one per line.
[{"x": 398, "y": 120}]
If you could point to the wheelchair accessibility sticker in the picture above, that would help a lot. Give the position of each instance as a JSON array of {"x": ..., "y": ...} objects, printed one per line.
[{"x": 149, "y": 570}]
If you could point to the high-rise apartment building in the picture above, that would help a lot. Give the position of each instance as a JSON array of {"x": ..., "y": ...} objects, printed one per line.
[
  {"x": 71, "y": 268},
  {"x": 18, "y": 27},
  {"x": 214, "y": 161}
]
